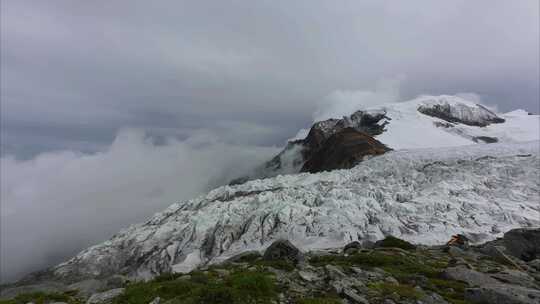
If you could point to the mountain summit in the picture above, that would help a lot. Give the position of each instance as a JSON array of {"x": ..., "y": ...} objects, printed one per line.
[{"x": 424, "y": 122}]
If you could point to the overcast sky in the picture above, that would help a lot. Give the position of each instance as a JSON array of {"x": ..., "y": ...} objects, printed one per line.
[
  {"x": 121, "y": 84},
  {"x": 74, "y": 72}
]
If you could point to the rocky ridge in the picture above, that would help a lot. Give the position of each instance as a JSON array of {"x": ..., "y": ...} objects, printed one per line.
[{"x": 471, "y": 115}]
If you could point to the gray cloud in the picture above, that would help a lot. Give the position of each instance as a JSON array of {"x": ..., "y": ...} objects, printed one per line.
[
  {"x": 244, "y": 74},
  {"x": 187, "y": 64},
  {"x": 60, "y": 202}
]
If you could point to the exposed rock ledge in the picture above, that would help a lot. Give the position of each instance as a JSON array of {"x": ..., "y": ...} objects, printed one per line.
[
  {"x": 476, "y": 115},
  {"x": 330, "y": 144}
]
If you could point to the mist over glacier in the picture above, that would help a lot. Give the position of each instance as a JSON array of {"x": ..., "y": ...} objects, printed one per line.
[{"x": 58, "y": 203}]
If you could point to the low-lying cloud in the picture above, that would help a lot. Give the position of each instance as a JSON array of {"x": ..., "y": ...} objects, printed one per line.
[
  {"x": 341, "y": 103},
  {"x": 58, "y": 203}
]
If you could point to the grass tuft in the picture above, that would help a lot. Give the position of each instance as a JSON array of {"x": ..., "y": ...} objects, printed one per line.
[
  {"x": 322, "y": 300},
  {"x": 240, "y": 287},
  {"x": 391, "y": 241},
  {"x": 404, "y": 291},
  {"x": 41, "y": 298}
]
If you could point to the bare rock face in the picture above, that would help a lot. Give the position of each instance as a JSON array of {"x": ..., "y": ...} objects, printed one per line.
[
  {"x": 523, "y": 243},
  {"x": 502, "y": 294},
  {"x": 330, "y": 144},
  {"x": 371, "y": 123},
  {"x": 105, "y": 297},
  {"x": 343, "y": 150},
  {"x": 283, "y": 250},
  {"x": 469, "y": 276},
  {"x": 460, "y": 113},
  {"x": 342, "y": 143}
]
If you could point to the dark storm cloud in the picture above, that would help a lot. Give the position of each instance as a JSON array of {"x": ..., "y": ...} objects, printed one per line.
[{"x": 212, "y": 84}]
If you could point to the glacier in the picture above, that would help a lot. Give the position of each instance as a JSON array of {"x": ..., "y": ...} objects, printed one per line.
[{"x": 420, "y": 195}]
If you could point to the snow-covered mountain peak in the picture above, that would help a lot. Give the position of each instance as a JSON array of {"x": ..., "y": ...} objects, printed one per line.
[
  {"x": 445, "y": 121},
  {"x": 423, "y": 122}
]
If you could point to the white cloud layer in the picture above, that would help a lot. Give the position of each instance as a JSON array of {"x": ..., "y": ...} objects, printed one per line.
[
  {"x": 341, "y": 103},
  {"x": 57, "y": 203}
]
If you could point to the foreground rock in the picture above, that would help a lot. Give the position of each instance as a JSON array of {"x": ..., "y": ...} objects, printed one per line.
[
  {"x": 503, "y": 294},
  {"x": 285, "y": 251},
  {"x": 469, "y": 276},
  {"x": 523, "y": 243},
  {"x": 105, "y": 297},
  {"x": 405, "y": 274}
]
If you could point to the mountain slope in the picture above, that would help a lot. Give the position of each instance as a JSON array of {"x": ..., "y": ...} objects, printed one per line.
[
  {"x": 406, "y": 120},
  {"x": 422, "y": 196}
]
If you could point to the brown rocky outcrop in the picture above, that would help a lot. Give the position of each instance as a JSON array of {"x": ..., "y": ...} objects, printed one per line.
[{"x": 342, "y": 150}]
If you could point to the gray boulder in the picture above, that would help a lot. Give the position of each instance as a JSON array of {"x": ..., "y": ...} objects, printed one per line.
[
  {"x": 432, "y": 298},
  {"x": 353, "y": 297},
  {"x": 352, "y": 247},
  {"x": 535, "y": 264},
  {"x": 156, "y": 300},
  {"x": 496, "y": 252},
  {"x": 334, "y": 272},
  {"x": 515, "y": 277},
  {"x": 283, "y": 250},
  {"x": 105, "y": 297},
  {"x": 469, "y": 276},
  {"x": 523, "y": 243},
  {"x": 502, "y": 294}
]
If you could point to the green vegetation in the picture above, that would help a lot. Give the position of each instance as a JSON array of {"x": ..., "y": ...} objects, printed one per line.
[
  {"x": 205, "y": 287},
  {"x": 42, "y": 298},
  {"x": 397, "y": 264},
  {"x": 277, "y": 264},
  {"x": 404, "y": 291},
  {"x": 451, "y": 291},
  {"x": 325, "y": 300},
  {"x": 252, "y": 282},
  {"x": 391, "y": 241},
  {"x": 406, "y": 268},
  {"x": 249, "y": 257}
]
